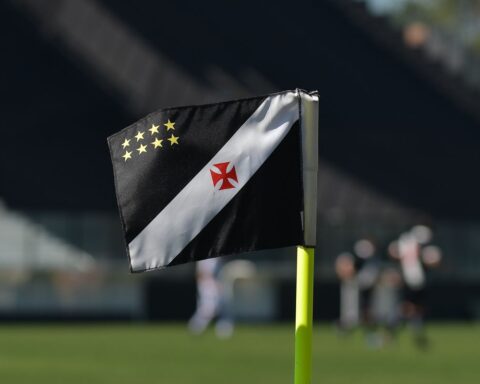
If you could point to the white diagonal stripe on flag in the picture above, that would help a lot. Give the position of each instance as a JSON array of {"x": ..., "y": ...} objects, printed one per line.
[{"x": 199, "y": 202}]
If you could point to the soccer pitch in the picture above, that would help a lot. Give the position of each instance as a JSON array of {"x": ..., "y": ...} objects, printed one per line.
[{"x": 113, "y": 353}]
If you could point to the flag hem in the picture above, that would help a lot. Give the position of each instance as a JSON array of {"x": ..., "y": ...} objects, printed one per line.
[
  {"x": 308, "y": 114},
  {"x": 179, "y": 108}
]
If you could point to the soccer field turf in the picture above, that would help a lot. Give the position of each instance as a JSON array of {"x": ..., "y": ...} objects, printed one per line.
[{"x": 112, "y": 353}]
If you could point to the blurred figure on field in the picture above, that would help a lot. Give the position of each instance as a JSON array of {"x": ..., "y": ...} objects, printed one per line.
[
  {"x": 379, "y": 284},
  {"x": 358, "y": 273},
  {"x": 385, "y": 305},
  {"x": 349, "y": 293},
  {"x": 369, "y": 292},
  {"x": 210, "y": 302},
  {"x": 414, "y": 256},
  {"x": 368, "y": 266}
]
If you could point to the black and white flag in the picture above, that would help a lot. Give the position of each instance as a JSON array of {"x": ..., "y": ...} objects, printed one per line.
[{"x": 204, "y": 181}]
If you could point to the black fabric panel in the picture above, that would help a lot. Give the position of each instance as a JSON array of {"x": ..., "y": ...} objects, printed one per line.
[
  {"x": 147, "y": 182},
  {"x": 265, "y": 214}
]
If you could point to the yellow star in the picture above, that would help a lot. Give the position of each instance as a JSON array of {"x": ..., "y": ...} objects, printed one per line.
[
  {"x": 169, "y": 125},
  {"x": 173, "y": 139},
  {"x": 141, "y": 149},
  {"x": 154, "y": 129},
  {"x": 139, "y": 135},
  {"x": 126, "y": 143},
  {"x": 157, "y": 143},
  {"x": 127, "y": 155}
]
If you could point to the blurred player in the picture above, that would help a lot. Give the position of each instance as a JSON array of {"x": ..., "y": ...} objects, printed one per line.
[
  {"x": 209, "y": 295},
  {"x": 412, "y": 260},
  {"x": 368, "y": 265},
  {"x": 214, "y": 299},
  {"x": 385, "y": 304},
  {"x": 349, "y": 294},
  {"x": 358, "y": 275}
]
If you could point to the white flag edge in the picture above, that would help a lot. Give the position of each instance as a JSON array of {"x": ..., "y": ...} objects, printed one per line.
[{"x": 309, "y": 124}]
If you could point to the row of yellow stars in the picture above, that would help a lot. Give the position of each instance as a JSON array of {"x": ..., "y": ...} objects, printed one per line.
[
  {"x": 153, "y": 130},
  {"x": 156, "y": 144}
]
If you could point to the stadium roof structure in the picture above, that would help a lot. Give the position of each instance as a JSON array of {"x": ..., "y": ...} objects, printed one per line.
[
  {"x": 26, "y": 245},
  {"x": 389, "y": 118}
]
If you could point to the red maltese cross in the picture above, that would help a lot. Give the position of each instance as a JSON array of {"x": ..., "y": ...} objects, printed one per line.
[{"x": 224, "y": 176}]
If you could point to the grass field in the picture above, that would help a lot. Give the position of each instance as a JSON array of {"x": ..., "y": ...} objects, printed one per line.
[{"x": 168, "y": 354}]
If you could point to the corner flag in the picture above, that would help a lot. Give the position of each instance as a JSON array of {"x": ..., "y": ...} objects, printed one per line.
[{"x": 204, "y": 181}]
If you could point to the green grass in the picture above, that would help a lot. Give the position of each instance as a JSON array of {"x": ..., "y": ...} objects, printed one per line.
[{"x": 168, "y": 354}]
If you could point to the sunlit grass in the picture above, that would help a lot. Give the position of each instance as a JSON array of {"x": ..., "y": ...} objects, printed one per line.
[{"x": 113, "y": 353}]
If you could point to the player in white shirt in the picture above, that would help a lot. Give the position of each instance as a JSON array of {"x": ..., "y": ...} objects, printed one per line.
[
  {"x": 414, "y": 257},
  {"x": 208, "y": 295}
]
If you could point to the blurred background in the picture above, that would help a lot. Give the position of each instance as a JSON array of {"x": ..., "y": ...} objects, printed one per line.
[{"x": 399, "y": 84}]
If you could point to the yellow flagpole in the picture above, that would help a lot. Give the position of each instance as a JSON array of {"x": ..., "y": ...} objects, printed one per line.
[{"x": 304, "y": 316}]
